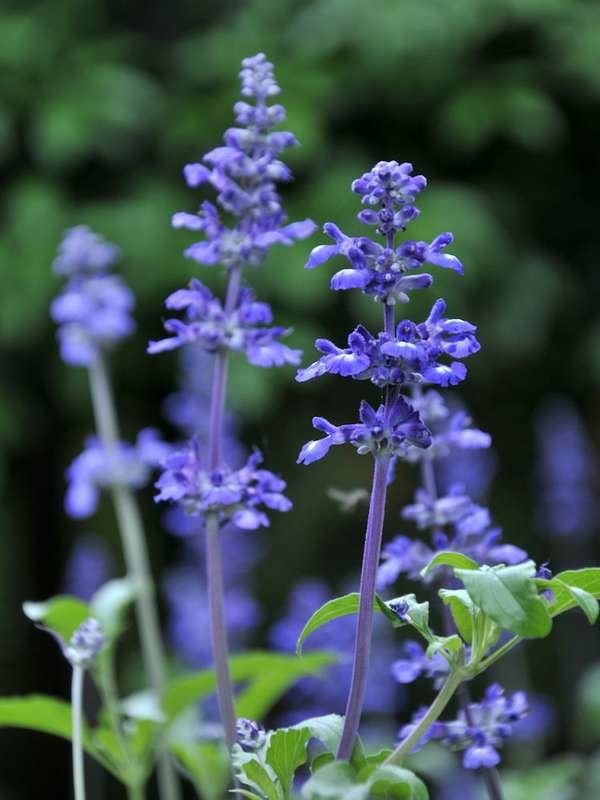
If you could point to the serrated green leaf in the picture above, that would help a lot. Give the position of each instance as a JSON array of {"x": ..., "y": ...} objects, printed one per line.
[
  {"x": 62, "y": 614},
  {"x": 332, "y": 782},
  {"x": 586, "y": 601},
  {"x": 449, "y": 558},
  {"x": 339, "y": 781},
  {"x": 286, "y": 752},
  {"x": 508, "y": 595},
  {"x": 258, "y": 777}
]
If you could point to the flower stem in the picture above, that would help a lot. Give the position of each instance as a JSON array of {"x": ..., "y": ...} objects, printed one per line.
[
  {"x": 136, "y": 560},
  {"x": 214, "y": 564},
  {"x": 77, "y": 741},
  {"x": 364, "y": 625},
  {"x": 435, "y": 709}
]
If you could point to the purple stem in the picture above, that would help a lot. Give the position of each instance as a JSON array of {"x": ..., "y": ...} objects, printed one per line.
[
  {"x": 214, "y": 563},
  {"x": 364, "y": 625}
]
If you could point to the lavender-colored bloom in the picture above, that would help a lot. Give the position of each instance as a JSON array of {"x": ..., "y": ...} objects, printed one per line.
[
  {"x": 236, "y": 496},
  {"x": 411, "y": 356},
  {"x": 88, "y": 568},
  {"x": 208, "y": 325},
  {"x": 97, "y": 468},
  {"x": 93, "y": 310},
  {"x": 379, "y": 431},
  {"x": 567, "y": 473},
  {"x": 491, "y": 722},
  {"x": 85, "y": 644},
  {"x": 244, "y": 172},
  {"x": 414, "y": 663},
  {"x": 327, "y": 694}
]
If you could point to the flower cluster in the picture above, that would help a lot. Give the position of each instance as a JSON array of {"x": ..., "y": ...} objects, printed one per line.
[
  {"x": 410, "y": 355},
  {"x": 236, "y": 496},
  {"x": 242, "y": 330},
  {"x": 85, "y": 644},
  {"x": 251, "y": 735},
  {"x": 244, "y": 172},
  {"x": 382, "y": 430},
  {"x": 480, "y": 729},
  {"x": 94, "y": 308},
  {"x": 99, "y": 467}
]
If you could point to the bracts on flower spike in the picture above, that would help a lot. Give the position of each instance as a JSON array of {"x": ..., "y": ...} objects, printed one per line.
[{"x": 404, "y": 354}]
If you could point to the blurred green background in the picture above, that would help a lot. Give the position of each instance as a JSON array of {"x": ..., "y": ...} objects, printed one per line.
[{"x": 101, "y": 104}]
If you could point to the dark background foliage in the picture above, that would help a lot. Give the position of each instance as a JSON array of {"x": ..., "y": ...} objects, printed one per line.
[{"x": 101, "y": 103}]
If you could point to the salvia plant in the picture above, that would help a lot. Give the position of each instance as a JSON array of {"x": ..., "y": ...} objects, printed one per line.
[{"x": 476, "y": 597}]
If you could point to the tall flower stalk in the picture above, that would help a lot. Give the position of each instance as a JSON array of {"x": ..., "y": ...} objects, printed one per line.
[
  {"x": 403, "y": 354},
  {"x": 94, "y": 313},
  {"x": 244, "y": 172}
]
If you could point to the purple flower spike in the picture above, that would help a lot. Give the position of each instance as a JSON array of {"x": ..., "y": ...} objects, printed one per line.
[{"x": 93, "y": 310}]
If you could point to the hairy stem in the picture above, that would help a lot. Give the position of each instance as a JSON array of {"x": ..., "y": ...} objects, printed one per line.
[
  {"x": 214, "y": 565},
  {"x": 364, "y": 625},
  {"x": 77, "y": 739},
  {"x": 136, "y": 560},
  {"x": 433, "y": 712}
]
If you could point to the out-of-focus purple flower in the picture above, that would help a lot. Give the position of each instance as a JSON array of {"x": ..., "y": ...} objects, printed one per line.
[
  {"x": 313, "y": 696},
  {"x": 245, "y": 330},
  {"x": 414, "y": 663},
  {"x": 188, "y": 615},
  {"x": 244, "y": 172},
  {"x": 88, "y": 568},
  {"x": 491, "y": 722},
  {"x": 93, "y": 310},
  {"x": 567, "y": 472},
  {"x": 83, "y": 251},
  {"x": 237, "y": 496},
  {"x": 97, "y": 468},
  {"x": 469, "y": 532},
  {"x": 379, "y": 431}
]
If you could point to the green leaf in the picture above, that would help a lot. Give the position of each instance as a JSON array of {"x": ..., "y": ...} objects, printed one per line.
[
  {"x": 332, "y": 609},
  {"x": 462, "y": 610},
  {"x": 61, "y": 615},
  {"x": 267, "y": 676},
  {"x": 327, "y": 729},
  {"x": 258, "y": 776},
  {"x": 332, "y": 782},
  {"x": 508, "y": 595},
  {"x": 586, "y": 601},
  {"x": 207, "y": 767},
  {"x": 587, "y": 580},
  {"x": 110, "y": 603},
  {"x": 397, "y": 782},
  {"x": 449, "y": 558},
  {"x": 38, "y": 713},
  {"x": 286, "y": 752},
  {"x": 339, "y": 781}
]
